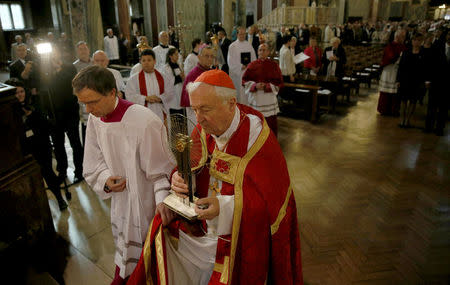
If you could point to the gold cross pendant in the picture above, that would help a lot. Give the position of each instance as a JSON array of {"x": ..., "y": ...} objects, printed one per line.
[{"x": 215, "y": 188}]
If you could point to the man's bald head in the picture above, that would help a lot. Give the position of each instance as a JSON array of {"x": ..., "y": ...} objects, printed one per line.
[
  {"x": 263, "y": 51},
  {"x": 100, "y": 58},
  {"x": 241, "y": 34},
  {"x": 164, "y": 38}
]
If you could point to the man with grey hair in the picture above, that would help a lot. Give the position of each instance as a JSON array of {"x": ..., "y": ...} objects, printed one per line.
[
  {"x": 19, "y": 41},
  {"x": 101, "y": 59},
  {"x": 112, "y": 47},
  {"x": 161, "y": 51},
  {"x": 247, "y": 217},
  {"x": 83, "y": 55}
]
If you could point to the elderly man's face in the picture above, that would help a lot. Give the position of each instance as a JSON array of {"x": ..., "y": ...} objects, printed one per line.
[
  {"x": 263, "y": 51},
  {"x": 83, "y": 52},
  {"x": 241, "y": 34},
  {"x": 164, "y": 38},
  {"x": 206, "y": 58},
  {"x": 101, "y": 59},
  {"x": 110, "y": 33},
  {"x": 213, "y": 114}
]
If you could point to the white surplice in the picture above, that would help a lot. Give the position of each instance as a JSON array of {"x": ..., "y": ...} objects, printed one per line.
[
  {"x": 190, "y": 62},
  {"x": 171, "y": 89},
  {"x": 265, "y": 102},
  {"x": 235, "y": 65},
  {"x": 111, "y": 47},
  {"x": 133, "y": 149},
  {"x": 193, "y": 261},
  {"x": 136, "y": 69},
  {"x": 134, "y": 95},
  {"x": 161, "y": 56}
]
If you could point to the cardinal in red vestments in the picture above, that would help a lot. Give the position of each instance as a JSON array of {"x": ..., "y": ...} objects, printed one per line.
[
  {"x": 389, "y": 102},
  {"x": 249, "y": 232}
]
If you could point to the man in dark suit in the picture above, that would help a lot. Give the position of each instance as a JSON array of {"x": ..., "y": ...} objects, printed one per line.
[
  {"x": 24, "y": 69},
  {"x": 224, "y": 43},
  {"x": 253, "y": 39},
  {"x": 303, "y": 34}
]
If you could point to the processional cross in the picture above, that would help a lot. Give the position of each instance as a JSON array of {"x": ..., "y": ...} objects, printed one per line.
[{"x": 180, "y": 29}]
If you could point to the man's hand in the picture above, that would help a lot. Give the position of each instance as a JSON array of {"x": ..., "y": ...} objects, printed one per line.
[
  {"x": 166, "y": 214},
  {"x": 178, "y": 185},
  {"x": 211, "y": 212},
  {"x": 116, "y": 183},
  {"x": 153, "y": 99},
  {"x": 26, "y": 71}
]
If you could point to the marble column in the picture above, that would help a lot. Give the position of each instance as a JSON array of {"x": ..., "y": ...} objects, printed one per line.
[
  {"x": 124, "y": 18},
  {"x": 228, "y": 16},
  {"x": 341, "y": 11},
  {"x": 77, "y": 14},
  {"x": 94, "y": 25},
  {"x": 148, "y": 21}
]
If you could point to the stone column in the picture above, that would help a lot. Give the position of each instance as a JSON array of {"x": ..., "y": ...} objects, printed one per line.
[
  {"x": 227, "y": 16},
  {"x": 94, "y": 25},
  {"x": 147, "y": 21},
  {"x": 341, "y": 11},
  {"x": 124, "y": 18},
  {"x": 77, "y": 13}
]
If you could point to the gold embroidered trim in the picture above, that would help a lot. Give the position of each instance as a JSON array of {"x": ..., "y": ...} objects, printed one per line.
[
  {"x": 274, "y": 227},
  {"x": 204, "y": 157},
  {"x": 160, "y": 257},
  {"x": 218, "y": 267},
  {"x": 238, "y": 198},
  {"x": 147, "y": 255},
  {"x": 224, "y": 166},
  {"x": 224, "y": 275}
]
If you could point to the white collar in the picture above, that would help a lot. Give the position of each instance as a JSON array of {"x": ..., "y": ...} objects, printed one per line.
[
  {"x": 222, "y": 140},
  {"x": 117, "y": 102}
]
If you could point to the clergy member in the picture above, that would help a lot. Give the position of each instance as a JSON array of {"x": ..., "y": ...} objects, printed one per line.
[
  {"x": 389, "y": 103},
  {"x": 192, "y": 59},
  {"x": 112, "y": 47},
  {"x": 240, "y": 54},
  {"x": 147, "y": 87},
  {"x": 99, "y": 58},
  {"x": 125, "y": 160},
  {"x": 262, "y": 80},
  {"x": 249, "y": 232},
  {"x": 205, "y": 61},
  {"x": 161, "y": 51}
]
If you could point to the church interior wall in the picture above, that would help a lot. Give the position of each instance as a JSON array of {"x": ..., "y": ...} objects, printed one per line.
[
  {"x": 193, "y": 16},
  {"x": 358, "y": 8}
]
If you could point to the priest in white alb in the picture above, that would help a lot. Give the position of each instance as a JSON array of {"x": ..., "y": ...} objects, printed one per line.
[
  {"x": 161, "y": 51},
  {"x": 125, "y": 159},
  {"x": 147, "y": 87},
  {"x": 240, "y": 54}
]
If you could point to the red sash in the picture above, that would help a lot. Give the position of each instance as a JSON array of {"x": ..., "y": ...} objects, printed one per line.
[{"x": 143, "y": 85}]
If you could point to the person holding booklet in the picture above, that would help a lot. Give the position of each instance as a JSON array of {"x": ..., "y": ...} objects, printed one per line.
[{"x": 240, "y": 54}]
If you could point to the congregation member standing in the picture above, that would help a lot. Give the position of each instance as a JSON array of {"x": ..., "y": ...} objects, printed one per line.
[
  {"x": 287, "y": 64},
  {"x": 262, "y": 80},
  {"x": 314, "y": 62},
  {"x": 125, "y": 160},
  {"x": 240, "y": 54},
  {"x": 66, "y": 118},
  {"x": 249, "y": 233},
  {"x": 334, "y": 59},
  {"x": 112, "y": 47},
  {"x": 18, "y": 41},
  {"x": 24, "y": 69},
  {"x": 411, "y": 76},
  {"x": 147, "y": 87},
  {"x": 389, "y": 103}
]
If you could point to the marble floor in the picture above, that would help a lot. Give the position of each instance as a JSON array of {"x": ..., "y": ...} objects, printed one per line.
[{"x": 373, "y": 202}]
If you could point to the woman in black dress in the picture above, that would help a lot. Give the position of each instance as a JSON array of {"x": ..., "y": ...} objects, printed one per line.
[{"x": 411, "y": 79}]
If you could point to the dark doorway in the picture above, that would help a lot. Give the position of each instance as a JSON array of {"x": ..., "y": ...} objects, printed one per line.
[{"x": 213, "y": 11}]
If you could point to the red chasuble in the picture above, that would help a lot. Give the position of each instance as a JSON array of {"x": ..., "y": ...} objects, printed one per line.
[
  {"x": 265, "y": 242},
  {"x": 143, "y": 84},
  {"x": 263, "y": 70}
]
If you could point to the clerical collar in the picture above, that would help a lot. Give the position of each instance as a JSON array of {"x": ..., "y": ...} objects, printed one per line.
[
  {"x": 222, "y": 140},
  {"x": 121, "y": 106},
  {"x": 111, "y": 36},
  {"x": 196, "y": 53},
  {"x": 163, "y": 46}
]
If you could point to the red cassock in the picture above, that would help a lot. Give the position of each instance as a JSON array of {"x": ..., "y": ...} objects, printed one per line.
[
  {"x": 265, "y": 71},
  {"x": 265, "y": 242}
]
